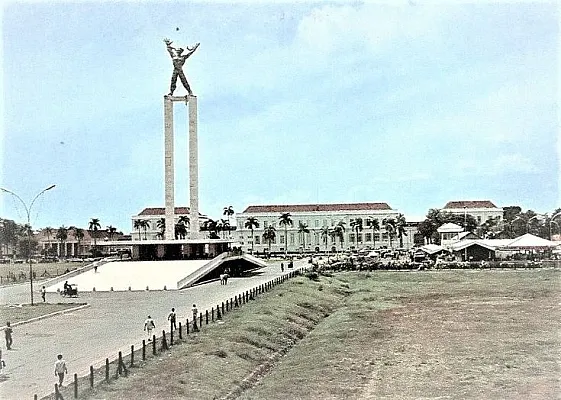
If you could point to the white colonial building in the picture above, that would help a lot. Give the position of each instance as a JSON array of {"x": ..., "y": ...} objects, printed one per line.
[
  {"x": 154, "y": 214},
  {"x": 317, "y": 217},
  {"x": 481, "y": 210}
]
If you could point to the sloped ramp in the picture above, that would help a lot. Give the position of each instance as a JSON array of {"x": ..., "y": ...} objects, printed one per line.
[{"x": 212, "y": 270}]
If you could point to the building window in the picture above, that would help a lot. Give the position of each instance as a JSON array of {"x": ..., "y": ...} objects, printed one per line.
[
  {"x": 281, "y": 239},
  {"x": 377, "y": 236},
  {"x": 479, "y": 219},
  {"x": 316, "y": 223},
  {"x": 368, "y": 237},
  {"x": 351, "y": 237},
  {"x": 257, "y": 240},
  {"x": 359, "y": 238},
  {"x": 265, "y": 224},
  {"x": 324, "y": 222},
  {"x": 385, "y": 236},
  {"x": 292, "y": 238}
]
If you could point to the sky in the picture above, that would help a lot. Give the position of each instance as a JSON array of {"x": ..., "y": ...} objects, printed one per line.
[{"x": 414, "y": 104}]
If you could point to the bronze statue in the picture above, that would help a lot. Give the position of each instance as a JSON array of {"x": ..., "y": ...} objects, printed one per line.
[{"x": 178, "y": 59}]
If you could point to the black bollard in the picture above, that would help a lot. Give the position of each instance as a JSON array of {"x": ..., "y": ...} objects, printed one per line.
[
  {"x": 212, "y": 312},
  {"x": 206, "y": 316},
  {"x": 222, "y": 308},
  {"x": 75, "y": 386},
  {"x": 164, "y": 341},
  {"x": 154, "y": 344},
  {"x": 143, "y": 350},
  {"x": 200, "y": 320},
  {"x": 187, "y": 325},
  {"x": 218, "y": 316},
  {"x": 106, "y": 370},
  {"x": 132, "y": 355},
  {"x": 91, "y": 376},
  {"x": 180, "y": 332},
  {"x": 171, "y": 337}
]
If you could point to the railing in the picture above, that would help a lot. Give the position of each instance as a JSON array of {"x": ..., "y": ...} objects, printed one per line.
[{"x": 122, "y": 363}]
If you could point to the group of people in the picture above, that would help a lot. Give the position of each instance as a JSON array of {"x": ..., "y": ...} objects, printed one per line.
[
  {"x": 60, "y": 364},
  {"x": 150, "y": 325}
]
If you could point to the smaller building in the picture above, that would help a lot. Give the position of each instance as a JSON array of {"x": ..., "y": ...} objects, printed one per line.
[
  {"x": 481, "y": 210},
  {"x": 149, "y": 224}
]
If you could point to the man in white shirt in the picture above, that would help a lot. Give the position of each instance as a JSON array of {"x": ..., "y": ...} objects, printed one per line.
[
  {"x": 148, "y": 326},
  {"x": 60, "y": 369}
]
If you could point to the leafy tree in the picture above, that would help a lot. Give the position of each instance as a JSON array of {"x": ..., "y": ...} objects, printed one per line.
[
  {"x": 285, "y": 220},
  {"x": 138, "y": 226},
  {"x": 251, "y": 223},
  {"x": 436, "y": 218},
  {"x": 400, "y": 228},
  {"x": 184, "y": 219},
  {"x": 269, "y": 235},
  {"x": 356, "y": 225},
  {"x": 62, "y": 236},
  {"x": 302, "y": 230}
]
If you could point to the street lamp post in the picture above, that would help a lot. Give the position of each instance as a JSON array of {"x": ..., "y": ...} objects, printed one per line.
[{"x": 28, "y": 212}]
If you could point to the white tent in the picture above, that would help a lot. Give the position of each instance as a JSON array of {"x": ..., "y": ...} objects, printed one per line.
[{"x": 529, "y": 242}]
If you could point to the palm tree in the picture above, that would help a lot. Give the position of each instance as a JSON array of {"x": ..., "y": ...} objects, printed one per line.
[
  {"x": 302, "y": 230},
  {"x": 180, "y": 230},
  {"x": 375, "y": 225},
  {"x": 339, "y": 231},
  {"x": 228, "y": 211},
  {"x": 111, "y": 230},
  {"x": 390, "y": 227},
  {"x": 79, "y": 235},
  {"x": 184, "y": 219},
  {"x": 285, "y": 220},
  {"x": 145, "y": 225},
  {"x": 400, "y": 228},
  {"x": 269, "y": 235},
  {"x": 225, "y": 226},
  {"x": 356, "y": 225},
  {"x": 49, "y": 233},
  {"x": 161, "y": 224},
  {"x": 93, "y": 228},
  {"x": 325, "y": 233},
  {"x": 62, "y": 235},
  {"x": 251, "y": 223}
]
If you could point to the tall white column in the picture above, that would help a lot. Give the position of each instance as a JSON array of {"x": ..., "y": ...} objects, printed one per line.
[
  {"x": 168, "y": 168},
  {"x": 193, "y": 169}
]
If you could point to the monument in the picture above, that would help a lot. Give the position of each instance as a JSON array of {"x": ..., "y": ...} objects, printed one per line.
[{"x": 178, "y": 58}]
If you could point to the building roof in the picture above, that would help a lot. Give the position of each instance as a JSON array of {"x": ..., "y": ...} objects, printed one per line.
[
  {"x": 463, "y": 244},
  {"x": 317, "y": 207},
  {"x": 162, "y": 210},
  {"x": 470, "y": 204},
  {"x": 450, "y": 227}
]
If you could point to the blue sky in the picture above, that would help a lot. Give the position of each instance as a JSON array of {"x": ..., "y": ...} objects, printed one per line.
[{"x": 413, "y": 104}]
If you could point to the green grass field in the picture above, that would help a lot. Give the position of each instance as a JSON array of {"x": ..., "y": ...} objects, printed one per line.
[
  {"x": 42, "y": 271},
  {"x": 380, "y": 335}
]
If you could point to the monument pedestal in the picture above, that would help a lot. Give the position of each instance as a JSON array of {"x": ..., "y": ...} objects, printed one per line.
[{"x": 169, "y": 176}]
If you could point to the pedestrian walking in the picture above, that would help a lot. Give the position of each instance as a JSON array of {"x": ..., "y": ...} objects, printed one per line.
[
  {"x": 43, "y": 293},
  {"x": 171, "y": 318},
  {"x": 195, "y": 312},
  {"x": 60, "y": 369},
  {"x": 148, "y": 326},
  {"x": 8, "y": 333}
]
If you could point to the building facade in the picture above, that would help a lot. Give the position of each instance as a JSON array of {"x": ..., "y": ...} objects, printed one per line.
[
  {"x": 319, "y": 220},
  {"x": 481, "y": 210},
  {"x": 153, "y": 217}
]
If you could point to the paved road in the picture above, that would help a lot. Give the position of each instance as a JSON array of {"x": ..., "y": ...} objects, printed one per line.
[{"x": 112, "y": 323}]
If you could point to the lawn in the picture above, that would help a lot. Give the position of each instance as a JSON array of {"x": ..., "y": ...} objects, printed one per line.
[
  {"x": 22, "y": 312},
  {"x": 15, "y": 273},
  {"x": 379, "y": 335}
]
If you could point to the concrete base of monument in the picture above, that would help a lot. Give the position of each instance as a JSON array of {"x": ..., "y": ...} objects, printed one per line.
[{"x": 158, "y": 275}]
